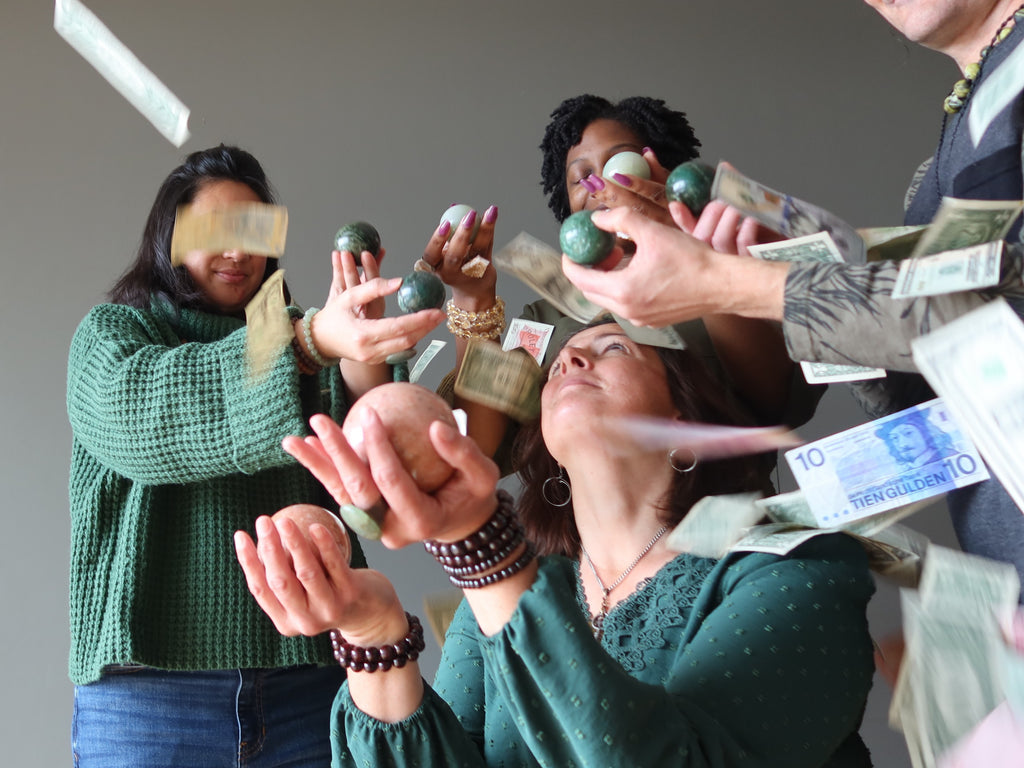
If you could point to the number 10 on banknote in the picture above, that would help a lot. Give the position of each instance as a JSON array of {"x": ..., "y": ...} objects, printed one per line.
[{"x": 887, "y": 463}]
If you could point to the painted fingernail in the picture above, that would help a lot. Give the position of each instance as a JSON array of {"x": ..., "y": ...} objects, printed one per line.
[
  {"x": 622, "y": 179},
  {"x": 597, "y": 181},
  {"x": 588, "y": 185},
  {"x": 646, "y": 150},
  {"x": 491, "y": 214},
  {"x": 468, "y": 220},
  {"x": 442, "y": 231}
]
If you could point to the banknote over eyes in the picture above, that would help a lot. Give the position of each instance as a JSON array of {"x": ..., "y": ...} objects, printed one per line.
[
  {"x": 887, "y": 463},
  {"x": 259, "y": 229}
]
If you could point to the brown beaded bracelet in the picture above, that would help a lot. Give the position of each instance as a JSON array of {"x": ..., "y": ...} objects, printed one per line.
[
  {"x": 529, "y": 553},
  {"x": 484, "y": 549},
  {"x": 356, "y": 658}
]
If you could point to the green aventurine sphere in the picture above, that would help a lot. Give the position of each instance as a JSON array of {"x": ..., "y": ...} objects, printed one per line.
[
  {"x": 357, "y": 237},
  {"x": 420, "y": 290},
  {"x": 584, "y": 243},
  {"x": 690, "y": 184}
]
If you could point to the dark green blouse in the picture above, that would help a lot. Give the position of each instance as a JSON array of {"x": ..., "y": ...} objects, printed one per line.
[{"x": 753, "y": 660}]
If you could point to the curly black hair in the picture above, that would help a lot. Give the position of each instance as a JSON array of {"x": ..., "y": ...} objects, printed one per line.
[{"x": 664, "y": 130}]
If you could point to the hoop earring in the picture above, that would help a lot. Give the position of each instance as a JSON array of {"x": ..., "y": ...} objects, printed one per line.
[
  {"x": 561, "y": 484},
  {"x": 673, "y": 463}
]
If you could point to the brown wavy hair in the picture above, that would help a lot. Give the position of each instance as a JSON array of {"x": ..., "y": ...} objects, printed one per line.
[{"x": 699, "y": 398}]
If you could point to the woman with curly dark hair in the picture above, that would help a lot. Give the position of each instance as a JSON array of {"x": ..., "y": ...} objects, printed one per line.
[{"x": 748, "y": 357}]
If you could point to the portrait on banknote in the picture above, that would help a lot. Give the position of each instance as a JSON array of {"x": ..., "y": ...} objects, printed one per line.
[{"x": 914, "y": 441}]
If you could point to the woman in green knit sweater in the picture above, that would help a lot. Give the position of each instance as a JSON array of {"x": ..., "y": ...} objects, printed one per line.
[
  {"x": 611, "y": 649},
  {"x": 176, "y": 444}
]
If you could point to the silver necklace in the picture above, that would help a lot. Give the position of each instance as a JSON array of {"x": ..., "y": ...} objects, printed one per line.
[{"x": 597, "y": 620}]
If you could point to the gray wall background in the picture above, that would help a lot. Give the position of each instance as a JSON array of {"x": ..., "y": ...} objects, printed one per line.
[{"x": 389, "y": 112}]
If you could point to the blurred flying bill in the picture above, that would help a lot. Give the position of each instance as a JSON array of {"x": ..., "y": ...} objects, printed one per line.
[
  {"x": 908, "y": 456},
  {"x": 509, "y": 382},
  {"x": 111, "y": 58},
  {"x": 424, "y": 360},
  {"x": 976, "y": 363},
  {"x": 268, "y": 327},
  {"x": 707, "y": 441},
  {"x": 255, "y": 228},
  {"x": 962, "y": 223},
  {"x": 964, "y": 269},
  {"x": 785, "y": 214}
]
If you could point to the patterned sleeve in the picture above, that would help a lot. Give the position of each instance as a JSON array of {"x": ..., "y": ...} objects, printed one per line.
[{"x": 845, "y": 314}]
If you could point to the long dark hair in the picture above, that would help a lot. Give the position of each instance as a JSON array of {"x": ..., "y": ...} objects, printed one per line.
[
  {"x": 664, "y": 130},
  {"x": 151, "y": 275},
  {"x": 698, "y": 398}
]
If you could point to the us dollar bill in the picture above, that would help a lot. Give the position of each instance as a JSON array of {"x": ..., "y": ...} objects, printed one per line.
[
  {"x": 714, "y": 524},
  {"x": 509, "y": 382},
  {"x": 891, "y": 243},
  {"x": 819, "y": 247},
  {"x": 976, "y": 363},
  {"x": 785, "y": 214},
  {"x": 950, "y": 271},
  {"x": 255, "y": 228},
  {"x": 539, "y": 266},
  {"x": 268, "y": 327},
  {"x": 908, "y": 456},
  {"x": 962, "y": 223},
  {"x": 91, "y": 38},
  {"x": 425, "y": 359}
]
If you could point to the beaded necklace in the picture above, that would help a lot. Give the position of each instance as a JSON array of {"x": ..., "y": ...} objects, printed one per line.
[
  {"x": 597, "y": 620},
  {"x": 962, "y": 88}
]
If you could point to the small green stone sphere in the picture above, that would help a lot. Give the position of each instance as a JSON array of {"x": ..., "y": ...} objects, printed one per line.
[
  {"x": 584, "y": 243},
  {"x": 357, "y": 237},
  {"x": 690, "y": 184},
  {"x": 420, "y": 290}
]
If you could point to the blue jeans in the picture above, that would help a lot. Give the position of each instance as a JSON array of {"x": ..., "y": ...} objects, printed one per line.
[{"x": 258, "y": 718}]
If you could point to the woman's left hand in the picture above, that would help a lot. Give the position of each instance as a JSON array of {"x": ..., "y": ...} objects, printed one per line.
[
  {"x": 307, "y": 588},
  {"x": 455, "y": 510},
  {"x": 345, "y": 275}
]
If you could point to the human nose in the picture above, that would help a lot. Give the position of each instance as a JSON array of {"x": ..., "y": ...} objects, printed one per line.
[
  {"x": 236, "y": 255},
  {"x": 573, "y": 357}
]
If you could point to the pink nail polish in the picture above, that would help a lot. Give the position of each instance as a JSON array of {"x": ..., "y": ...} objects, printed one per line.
[
  {"x": 491, "y": 214},
  {"x": 468, "y": 220},
  {"x": 645, "y": 150},
  {"x": 587, "y": 185},
  {"x": 442, "y": 231},
  {"x": 622, "y": 179},
  {"x": 597, "y": 181}
]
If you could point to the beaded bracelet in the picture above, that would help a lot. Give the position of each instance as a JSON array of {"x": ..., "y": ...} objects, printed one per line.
[
  {"x": 489, "y": 324},
  {"x": 356, "y": 658},
  {"x": 307, "y": 365},
  {"x": 307, "y": 332},
  {"x": 484, "y": 549},
  {"x": 493, "y": 578}
]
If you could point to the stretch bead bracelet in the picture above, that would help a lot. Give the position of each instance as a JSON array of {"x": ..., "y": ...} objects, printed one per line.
[
  {"x": 489, "y": 324},
  {"x": 359, "y": 659},
  {"x": 307, "y": 365},
  {"x": 484, "y": 549},
  {"x": 307, "y": 332}
]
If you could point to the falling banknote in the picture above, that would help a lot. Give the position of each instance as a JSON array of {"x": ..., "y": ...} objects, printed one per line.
[
  {"x": 111, "y": 58},
  {"x": 962, "y": 223},
  {"x": 976, "y": 363},
  {"x": 254, "y": 228},
  {"x": 785, "y": 214},
  {"x": 887, "y": 463},
  {"x": 509, "y": 382}
]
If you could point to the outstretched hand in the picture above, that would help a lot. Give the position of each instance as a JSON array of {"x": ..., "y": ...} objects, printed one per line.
[
  {"x": 351, "y": 325},
  {"x": 455, "y": 510},
  {"x": 447, "y": 255}
]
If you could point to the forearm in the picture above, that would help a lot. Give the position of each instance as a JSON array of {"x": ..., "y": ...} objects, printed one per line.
[
  {"x": 392, "y": 695},
  {"x": 362, "y": 377}
]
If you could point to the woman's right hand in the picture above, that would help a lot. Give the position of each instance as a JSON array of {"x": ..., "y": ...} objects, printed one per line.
[
  {"x": 447, "y": 256},
  {"x": 645, "y": 196},
  {"x": 350, "y": 326},
  {"x": 308, "y": 588}
]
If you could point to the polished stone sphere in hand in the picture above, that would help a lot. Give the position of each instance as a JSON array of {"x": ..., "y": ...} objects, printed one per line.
[
  {"x": 690, "y": 184},
  {"x": 420, "y": 290},
  {"x": 357, "y": 237},
  {"x": 583, "y": 242},
  {"x": 305, "y": 515}
]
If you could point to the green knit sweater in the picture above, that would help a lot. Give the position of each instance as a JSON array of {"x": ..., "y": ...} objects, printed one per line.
[{"x": 175, "y": 447}]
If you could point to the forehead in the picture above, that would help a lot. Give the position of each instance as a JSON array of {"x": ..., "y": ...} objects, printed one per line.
[
  {"x": 221, "y": 193},
  {"x": 605, "y": 133}
]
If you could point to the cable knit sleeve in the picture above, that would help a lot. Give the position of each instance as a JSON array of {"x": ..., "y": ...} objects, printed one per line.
[{"x": 159, "y": 410}]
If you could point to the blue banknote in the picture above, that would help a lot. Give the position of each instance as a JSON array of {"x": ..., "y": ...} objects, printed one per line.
[{"x": 887, "y": 463}]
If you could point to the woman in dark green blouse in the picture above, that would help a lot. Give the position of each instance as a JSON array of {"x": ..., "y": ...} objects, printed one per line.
[{"x": 610, "y": 649}]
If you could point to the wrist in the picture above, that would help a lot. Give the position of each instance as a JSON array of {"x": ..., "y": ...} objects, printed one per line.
[
  {"x": 474, "y": 302},
  {"x": 747, "y": 286},
  {"x": 320, "y": 356}
]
